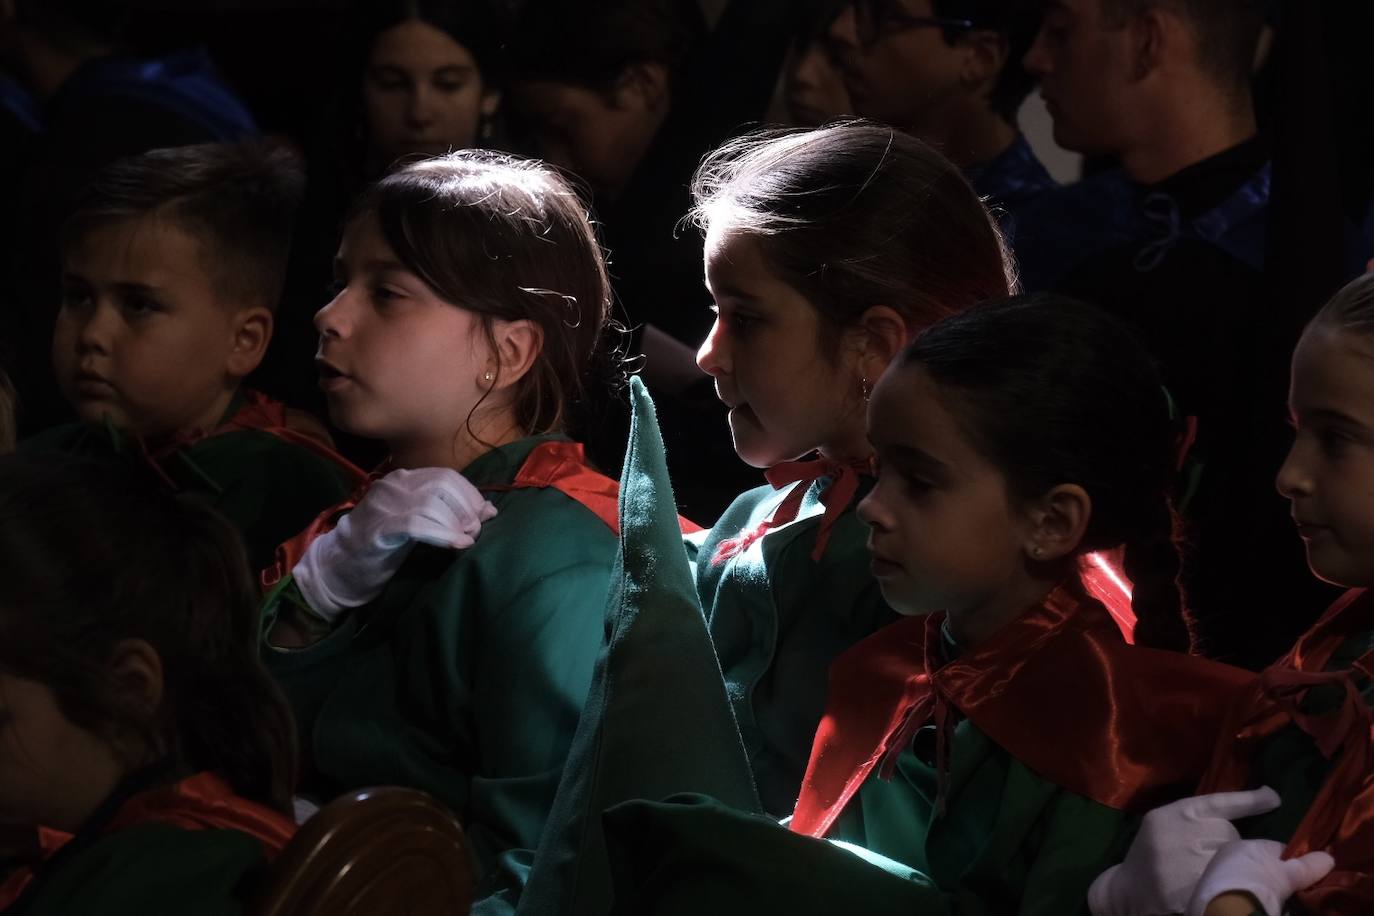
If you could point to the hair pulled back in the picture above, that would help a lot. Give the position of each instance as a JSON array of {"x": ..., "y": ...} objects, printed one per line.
[
  {"x": 1054, "y": 391},
  {"x": 94, "y": 553},
  {"x": 508, "y": 239},
  {"x": 855, "y": 215}
]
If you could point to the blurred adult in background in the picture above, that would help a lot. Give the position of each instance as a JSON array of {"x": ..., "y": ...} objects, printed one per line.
[
  {"x": 629, "y": 95},
  {"x": 949, "y": 72},
  {"x": 100, "y": 97},
  {"x": 811, "y": 89},
  {"x": 416, "y": 78}
]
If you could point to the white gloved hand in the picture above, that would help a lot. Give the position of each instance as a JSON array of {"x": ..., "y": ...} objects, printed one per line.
[
  {"x": 1167, "y": 857},
  {"x": 1256, "y": 867},
  {"x": 350, "y": 565}
]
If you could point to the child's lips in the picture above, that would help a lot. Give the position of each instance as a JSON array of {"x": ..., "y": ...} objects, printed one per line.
[
  {"x": 1309, "y": 530},
  {"x": 331, "y": 377},
  {"x": 92, "y": 384}
]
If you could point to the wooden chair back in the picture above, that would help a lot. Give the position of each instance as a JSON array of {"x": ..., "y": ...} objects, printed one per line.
[{"x": 376, "y": 852}]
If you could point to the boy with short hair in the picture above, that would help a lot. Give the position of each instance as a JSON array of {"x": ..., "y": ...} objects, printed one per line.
[{"x": 173, "y": 265}]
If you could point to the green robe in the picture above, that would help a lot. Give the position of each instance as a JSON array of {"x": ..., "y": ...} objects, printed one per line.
[
  {"x": 269, "y": 488},
  {"x": 150, "y": 870},
  {"x": 465, "y": 678},
  {"x": 778, "y": 619},
  {"x": 1009, "y": 842}
]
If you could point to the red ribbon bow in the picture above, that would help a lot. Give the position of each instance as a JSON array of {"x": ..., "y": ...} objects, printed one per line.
[{"x": 836, "y": 497}]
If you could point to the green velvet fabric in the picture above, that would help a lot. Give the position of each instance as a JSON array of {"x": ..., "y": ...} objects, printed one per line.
[
  {"x": 657, "y": 720},
  {"x": 269, "y": 488},
  {"x": 778, "y": 619},
  {"x": 465, "y": 678},
  {"x": 149, "y": 870}
]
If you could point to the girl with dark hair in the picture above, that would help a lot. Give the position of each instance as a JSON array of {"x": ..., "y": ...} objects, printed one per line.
[
  {"x": 137, "y": 725},
  {"x": 994, "y": 749},
  {"x": 415, "y": 78},
  {"x": 465, "y": 336},
  {"x": 429, "y": 76},
  {"x": 825, "y": 251},
  {"x": 1304, "y": 727}
]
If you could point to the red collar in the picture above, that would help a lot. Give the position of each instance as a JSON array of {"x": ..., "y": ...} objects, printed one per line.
[
  {"x": 201, "y": 802},
  {"x": 836, "y": 497},
  {"x": 557, "y": 463},
  {"x": 1057, "y": 688},
  {"x": 1340, "y": 819}
]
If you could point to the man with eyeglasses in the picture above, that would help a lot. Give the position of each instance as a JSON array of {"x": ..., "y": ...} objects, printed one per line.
[{"x": 949, "y": 72}]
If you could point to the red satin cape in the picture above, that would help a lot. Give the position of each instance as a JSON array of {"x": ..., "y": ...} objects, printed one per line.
[
  {"x": 201, "y": 802},
  {"x": 1341, "y": 817},
  {"x": 1057, "y": 688}
]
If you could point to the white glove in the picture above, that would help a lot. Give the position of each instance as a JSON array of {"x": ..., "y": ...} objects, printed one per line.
[
  {"x": 1255, "y": 867},
  {"x": 1171, "y": 851},
  {"x": 350, "y": 565}
]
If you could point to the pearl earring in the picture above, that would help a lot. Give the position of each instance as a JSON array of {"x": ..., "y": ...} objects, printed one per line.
[{"x": 486, "y": 376}]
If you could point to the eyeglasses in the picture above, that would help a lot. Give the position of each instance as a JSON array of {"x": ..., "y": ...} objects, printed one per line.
[{"x": 874, "y": 19}]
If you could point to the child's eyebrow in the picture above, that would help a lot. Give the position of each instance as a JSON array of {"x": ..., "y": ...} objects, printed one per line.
[
  {"x": 1330, "y": 415},
  {"x": 910, "y": 455},
  {"x": 731, "y": 292}
]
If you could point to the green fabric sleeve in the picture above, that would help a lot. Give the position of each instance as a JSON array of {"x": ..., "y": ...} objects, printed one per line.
[
  {"x": 532, "y": 680},
  {"x": 691, "y": 855},
  {"x": 151, "y": 870}
]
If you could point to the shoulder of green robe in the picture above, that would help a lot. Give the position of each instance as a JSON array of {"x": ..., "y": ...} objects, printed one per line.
[
  {"x": 153, "y": 870},
  {"x": 69, "y": 438},
  {"x": 285, "y": 466},
  {"x": 749, "y": 510}
]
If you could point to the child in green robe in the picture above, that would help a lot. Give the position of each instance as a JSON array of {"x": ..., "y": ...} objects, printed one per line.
[
  {"x": 826, "y": 250},
  {"x": 992, "y": 751},
  {"x": 440, "y": 632},
  {"x": 139, "y": 734},
  {"x": 172, "y": 267}
]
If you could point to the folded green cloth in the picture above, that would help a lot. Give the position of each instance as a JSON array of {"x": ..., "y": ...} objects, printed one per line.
[{"x": 657, "y": 721}]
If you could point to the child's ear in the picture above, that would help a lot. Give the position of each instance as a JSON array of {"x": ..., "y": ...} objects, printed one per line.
[
  {"x": 518, "y": 344},
  {"x": 877, "y": 338},
  {"x": 985, "y": 54},
  {"x": 252, "y": 332},
  {"x": 1152, "y": 30},
  {"x": 642, "y": 84},
  {"x": 1058, "y": 521},
  {"x": 136, "y": 673}
]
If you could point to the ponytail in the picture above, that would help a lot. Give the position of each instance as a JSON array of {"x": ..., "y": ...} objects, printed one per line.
[{"x": 1152, "y": 562}]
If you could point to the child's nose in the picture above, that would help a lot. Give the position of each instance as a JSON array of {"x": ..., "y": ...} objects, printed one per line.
[
  {"x": 1293, "y": 479},
  {"x": 331, "y": 320},
  {"x": 713, "y": 354},
  {"x": 95, "y": 332},
  {"x": 421, "y": 106},
  {"x": 872, "y": 512}
]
